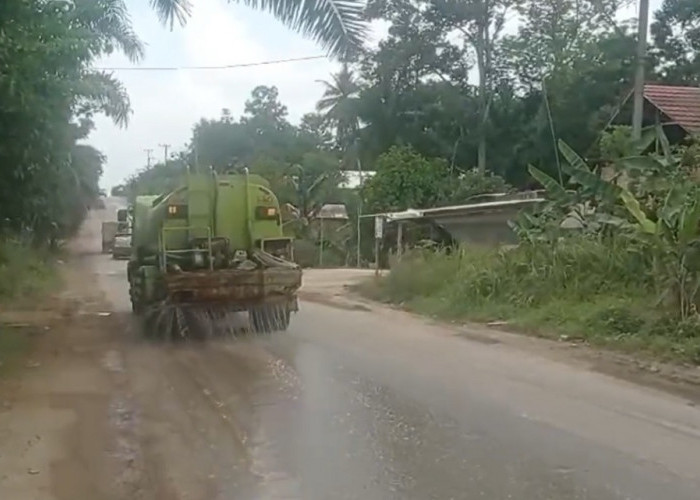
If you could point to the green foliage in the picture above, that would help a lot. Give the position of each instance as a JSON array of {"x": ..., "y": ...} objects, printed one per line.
[
  {"x": 24, "y": 271},
  {"x": 404, "y": 179},
  {"x": 14, "y": 344},
  {"x": 157, "y": 179},
  {"x": 676, "y": 34},
  {"x": 526, "y": 276},
  {"x": 672, "y": 237},
  {"x": 555, "y": 36},
  {"x": 658, "y": 213},
  {"x": 472, "y": 183},
  {"x": 617, "y": 142},
  {"x": 49, "y": 95},
  {"x": 628, "y": 274},
  {"x": 562, "y": 75},
  {"x": 339, "y": 107},
  {"x": 583, "y": 289}
]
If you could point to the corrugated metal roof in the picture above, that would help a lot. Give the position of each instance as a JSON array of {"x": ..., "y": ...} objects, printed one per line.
[
  {"x": 515, "y": 199},
  {"x": 333, "y": 211},
  {"x": 680, "y": 104}
]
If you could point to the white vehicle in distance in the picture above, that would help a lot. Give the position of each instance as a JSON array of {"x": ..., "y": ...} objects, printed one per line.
[{"x": 122, "y": 246}]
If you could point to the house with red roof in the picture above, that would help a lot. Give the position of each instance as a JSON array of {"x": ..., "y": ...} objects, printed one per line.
[{"x": 675, "y": 107}]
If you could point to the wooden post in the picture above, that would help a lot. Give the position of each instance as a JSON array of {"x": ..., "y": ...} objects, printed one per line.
[
  {"x": 376, "y": 256},
  {"x": 378, "y": 234},
  {"x": 399, "y": 240},
  {"x": 320, "y": 253}
]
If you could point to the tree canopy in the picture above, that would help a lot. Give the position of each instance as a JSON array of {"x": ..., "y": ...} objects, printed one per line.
[
  {"x": 414, "y": 102},
  {"x": 449, "y": 91},
  {"x": 50, "y": 93}
]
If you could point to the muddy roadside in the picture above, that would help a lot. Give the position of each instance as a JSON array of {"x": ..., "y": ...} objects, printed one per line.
[
  {"x": 341, "y": 288},
  {"x": 65, "y": 411}
]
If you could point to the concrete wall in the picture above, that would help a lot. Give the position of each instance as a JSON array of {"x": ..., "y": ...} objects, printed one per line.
[{"x": 487, "y": 229}]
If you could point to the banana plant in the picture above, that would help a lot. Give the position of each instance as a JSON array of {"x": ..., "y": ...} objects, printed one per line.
[
  {"x": 589, "y": 206},
  {"x": 672, "y": 235}
]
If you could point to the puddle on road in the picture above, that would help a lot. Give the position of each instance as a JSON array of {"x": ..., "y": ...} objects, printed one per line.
[
  {"x": 124, "y": 420},
  {"x": 126, "y": 450},
  {"x": 113, "y": 362}
]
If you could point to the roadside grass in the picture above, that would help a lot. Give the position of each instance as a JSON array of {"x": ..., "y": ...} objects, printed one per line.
[
  {"x": 581, "y": 290},
  {"x": 27, "y": 275},
  {"x": 15, "y": 344},
  {"x": 25, "y": 272}
]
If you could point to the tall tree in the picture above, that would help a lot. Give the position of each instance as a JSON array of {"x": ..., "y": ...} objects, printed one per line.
[
  {"x": 264, "y": 111},
  {"x": 49, "y": 94},
  {"x": 480, "y": 24},
  {"x": 315, "y": 127},
  {"x": 339, "y": 108},
  {"x": 554, "y": 36},
  {"x": 676, "y": 34},
  {"x": 416, "y": 87}
]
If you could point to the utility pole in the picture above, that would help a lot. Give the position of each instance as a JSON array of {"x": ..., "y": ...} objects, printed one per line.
[
  {"x": 148, "y": 157},
  {"x": 165, "y": 152},
  {"x": 359, "y": 203},
  {"x": 638, "y": 115}
]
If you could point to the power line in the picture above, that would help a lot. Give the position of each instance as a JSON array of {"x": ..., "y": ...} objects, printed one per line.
[{"x": 227, "y": 66}]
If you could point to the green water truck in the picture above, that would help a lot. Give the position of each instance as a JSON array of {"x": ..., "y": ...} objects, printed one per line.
[{"x": 213, "y": 246}]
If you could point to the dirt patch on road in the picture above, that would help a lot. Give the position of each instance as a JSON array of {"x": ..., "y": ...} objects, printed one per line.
[
  {"x": 338, "y": 300},
  {"x": 65, "y": 416}
]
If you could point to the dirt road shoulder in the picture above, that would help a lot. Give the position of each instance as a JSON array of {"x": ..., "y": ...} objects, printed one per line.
[{"x": 64, "y": 409}]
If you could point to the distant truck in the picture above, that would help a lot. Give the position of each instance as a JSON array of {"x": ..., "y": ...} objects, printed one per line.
[
  {"x": 121, "y": 249},
  {"x": 109, "y": 231}
]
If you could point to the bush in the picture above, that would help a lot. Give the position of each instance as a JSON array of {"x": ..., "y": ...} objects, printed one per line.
[
  {"x": 307, "y": 254},
  {"x": 586, "y": 288},
  {"x": 521, "y": 277},
  {"x": 628, "y": 271},
  {"x": 420, "y": 273},
  {"x": 24, "y": 271}
]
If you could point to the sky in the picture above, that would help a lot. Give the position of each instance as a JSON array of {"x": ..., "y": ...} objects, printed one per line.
[{"x": 167, "y": 104}]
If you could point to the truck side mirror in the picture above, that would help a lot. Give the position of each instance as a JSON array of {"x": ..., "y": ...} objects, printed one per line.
[{"x": 122, "y": 215}]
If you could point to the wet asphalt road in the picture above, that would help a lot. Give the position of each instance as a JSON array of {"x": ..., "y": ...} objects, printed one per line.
[{"x": 379, "y": 405}]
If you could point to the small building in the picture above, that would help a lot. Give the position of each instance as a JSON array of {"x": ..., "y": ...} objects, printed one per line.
[
  {"x": 675, "y": 107},
  {"x": 483, "y": 222},
  {"x": 334, "y": 211}
]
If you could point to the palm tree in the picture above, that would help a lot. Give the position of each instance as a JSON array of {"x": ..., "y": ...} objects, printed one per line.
[
  {"x": 339, "y": 106},
  {"x": 306, "y": 189},
  {"x": 337, "y": 25}
]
